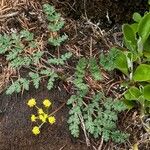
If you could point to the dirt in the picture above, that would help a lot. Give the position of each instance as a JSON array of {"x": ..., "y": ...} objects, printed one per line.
[
  {"x": 106, "y": 12},
  {"x": 15, "y": 124}
]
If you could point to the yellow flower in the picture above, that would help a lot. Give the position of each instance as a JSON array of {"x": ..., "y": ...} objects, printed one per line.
[
  {"x": 33, "y": 118},
  {"x": 43, "y": 117},
  {"x": 51, "y": 120},
  {"x": 40, "y": 111},
  {"x": 31, "y": 102},
  {"x": 36, "y": 130},
  {"x": 47, "y": 103}
]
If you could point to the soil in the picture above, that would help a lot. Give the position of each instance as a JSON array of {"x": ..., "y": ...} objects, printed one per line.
[{"x": 15, "y": 124}]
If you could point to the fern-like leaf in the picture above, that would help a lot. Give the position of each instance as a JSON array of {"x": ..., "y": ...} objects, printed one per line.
[{"x": 35, "y": 79}]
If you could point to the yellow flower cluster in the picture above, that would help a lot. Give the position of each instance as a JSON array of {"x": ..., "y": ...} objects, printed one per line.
[{"x": 41, "y": 115}]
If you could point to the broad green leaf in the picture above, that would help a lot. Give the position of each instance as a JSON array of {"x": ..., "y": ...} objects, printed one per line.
[
  {"x": 146, "y": 48},
  {"x": 147, "y": 104},
  {"x": 121, "y": 62},
  {"x": 137, "y": 17},
  {"x": 144, "y": 27},
  {"x": 142, "y": 73},
  {"x": 134, "y": 27},
  {"x": 132, "y": 94},
  {"x": 147, "y": 92},
  {"x": 129, "y": 37},
  {"x": 130, "y": 104}
]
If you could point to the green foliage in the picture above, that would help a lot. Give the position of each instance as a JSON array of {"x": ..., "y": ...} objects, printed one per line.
[
  {"x": 61, "y": 60},
  {"x": 99, "y": 114},
  {"x": 146, "y": 92},
  {"x": 15, "y": 49},
  {"x": 137, "y": 17},
  {"x": 84, "y": 65},
  {"x": 133, "y": 93},
  {"x": 52, "y": 76},
  {"x": 100, "y": 117},
  {"x": 18, "y": 85},
  {"x": 94, "y": 69},
  {"x": 79, "y": 75},
  {"x": 35, "y": 79},
  {"x": 134, "y": 61},
  {"x": 57, "y": 41},
  {"x": 142, "y": 73},
  {"x": 108, "y": 61},
  {"x": 22, "y": 51},
  {"x": 55, "y": 24}
]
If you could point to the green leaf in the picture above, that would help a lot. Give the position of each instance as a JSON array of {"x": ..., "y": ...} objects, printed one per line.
[
  {"x": 15, "y": 87},
  {"x": 80, "y": 68},
  {"x": 121, "y": 62},
  {"x": 147, "y": 92},
  {"x": 106, "y": 135},
  {"x": 89, "y": 124},
  {"x": 36, "y": 56},
  {"x": 48, "y": 9},
  {"x": 119, "y": 106},
  {"x": 58, "y": 40},
  {"x": 144, "y": 27},
  {"x": 129, "y": 37},
  {"x": 53, "y": 18},
  {"x": 56, "y": 27},
  {"x": 27, "y": 35},
  {"x": 74, "y": 124},
  {"x": 66, "y": 56},
  {"x": 94, "y": 69},
  {"x": 18, "y": 62},
  {"x": 51, "y": 80},
  {"x": 46, "y": 72},
  {"x": 137, "y": 17},
  {"x": 133, "y": 93},
  {"x": 119, "y": 137},
  {"x": 146, "y": 48},
  {"x": 147, "y": 104},
  {"x": 142, "y": 73},
  {"x": 12, "y": 55},
  {"x": 25, "y": 83},
  {"x": 72, "y": 99},
  {"x": 35, "y": 78},
  {"x": 130, "y": 104},
  {"x": 61, "y": 60},
  {"x": 108, "y": 61},
  {"x": 134, "y": 27}
]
